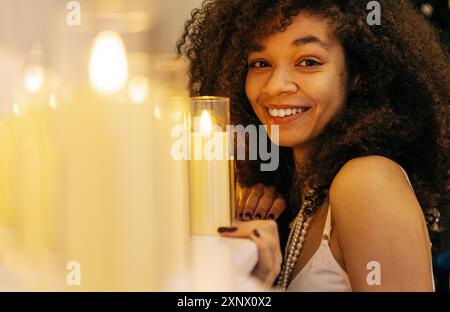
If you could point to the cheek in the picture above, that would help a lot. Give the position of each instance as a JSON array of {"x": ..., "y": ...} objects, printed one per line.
[
  {"x": 252, "y": 90},
  {"x": 328, "y": 92}
]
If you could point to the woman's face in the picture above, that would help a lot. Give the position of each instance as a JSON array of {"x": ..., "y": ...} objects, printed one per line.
[{"x": 297, "y": 79}]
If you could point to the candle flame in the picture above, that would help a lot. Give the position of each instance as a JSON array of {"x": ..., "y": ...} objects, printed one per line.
[
  {"x": 33, "y": 78},
  {"x": 205, "y": 123},
  {"x": 108, "y": 68}
]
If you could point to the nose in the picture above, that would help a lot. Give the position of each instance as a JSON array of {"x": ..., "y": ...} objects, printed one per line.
[{"x": 281, "y": 81}]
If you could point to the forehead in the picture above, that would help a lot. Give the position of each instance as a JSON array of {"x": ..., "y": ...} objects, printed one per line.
[{"x": 305, "y": 25}]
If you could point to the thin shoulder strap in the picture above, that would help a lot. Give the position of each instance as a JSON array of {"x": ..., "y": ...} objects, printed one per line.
[
  {"x": 406, "y": 175},
  {"x": 431, "y": 244},
  {"x": 327, "y": 228}
]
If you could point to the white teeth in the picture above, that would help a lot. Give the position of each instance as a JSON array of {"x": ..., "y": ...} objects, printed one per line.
[{"x": 282, "y": 112}]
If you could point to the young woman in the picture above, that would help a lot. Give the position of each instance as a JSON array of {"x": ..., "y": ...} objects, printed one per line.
[{"x": 357, "y": 107}]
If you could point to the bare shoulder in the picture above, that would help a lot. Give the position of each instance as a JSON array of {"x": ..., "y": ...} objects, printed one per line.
[
  {"x": 370, "y": 169},
  {"x": 372, "y": 182},
  {"x": 378, "y": 217}
]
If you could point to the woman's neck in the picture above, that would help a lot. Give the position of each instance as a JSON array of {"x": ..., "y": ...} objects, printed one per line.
[{"x": 301, "y": 154}]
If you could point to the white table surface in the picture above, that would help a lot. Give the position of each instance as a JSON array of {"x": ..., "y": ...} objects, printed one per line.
[
  {"x": 220, "y": 264},
  {"x": 217, "y": 264}
]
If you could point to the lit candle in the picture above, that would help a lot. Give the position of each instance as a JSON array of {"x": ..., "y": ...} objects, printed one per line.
[
  {"x": 153, "y": 193},
  {"x": 210, "y": 170},
  {"x": 126, "y": 199},
  {"x": 85, "y": 126},
  {"x": 31, "y": 178}
]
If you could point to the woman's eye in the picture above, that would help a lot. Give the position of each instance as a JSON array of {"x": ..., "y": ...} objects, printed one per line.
[
  {"x": 258, "y": 64},
  {"x": 309, "y": 63}
]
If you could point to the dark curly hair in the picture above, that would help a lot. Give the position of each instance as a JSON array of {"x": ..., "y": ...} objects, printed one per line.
[{"x": 400, "y": 109}]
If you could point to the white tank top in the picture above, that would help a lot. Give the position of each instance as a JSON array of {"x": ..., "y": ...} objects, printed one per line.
[{"x": 322, "y": 273}]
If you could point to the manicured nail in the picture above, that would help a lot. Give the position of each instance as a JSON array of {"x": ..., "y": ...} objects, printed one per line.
[
  {"x": 247, "y": 215},
  {"x": 227, "y": 229},
  {"x": 271, "y": 216},
  {"x": 256, "y": 233},
  {"x": 258, "y": 216}
]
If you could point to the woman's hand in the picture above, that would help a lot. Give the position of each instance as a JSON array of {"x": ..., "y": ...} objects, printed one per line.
[
  {"x": 258, "y": 202},
  {"x": 264, "y": 234}
]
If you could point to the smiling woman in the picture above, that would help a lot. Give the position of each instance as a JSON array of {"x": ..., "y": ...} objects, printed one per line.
[
  {"x": 363, "y": 128},
  {"x": 301, "y": 70}
]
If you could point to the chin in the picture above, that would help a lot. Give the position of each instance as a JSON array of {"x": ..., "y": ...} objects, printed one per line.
[
  {"x": 289, "y": 137},
  {"x": 289, "y": 141}
]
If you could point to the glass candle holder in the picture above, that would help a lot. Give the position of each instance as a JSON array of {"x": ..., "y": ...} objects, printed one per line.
[{"x": 211, "y": 170}]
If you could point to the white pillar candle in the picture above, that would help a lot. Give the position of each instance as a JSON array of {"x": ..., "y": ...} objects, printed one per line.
[
  {"x": 154, "y": 219},
  {"x": 210, "y": 170}
]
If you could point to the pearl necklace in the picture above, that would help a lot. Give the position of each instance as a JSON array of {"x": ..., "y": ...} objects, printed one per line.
[{"x": 297, "y": 236}]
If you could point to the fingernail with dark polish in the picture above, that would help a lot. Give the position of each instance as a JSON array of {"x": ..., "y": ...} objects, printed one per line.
[
  {"x": 258, "y": 217},
  {"x": 247, "y": 215},
  {"x": 227, "y": 229},
  {"x": 256, "y": 233},
  {"x": 271, "y": 216}
]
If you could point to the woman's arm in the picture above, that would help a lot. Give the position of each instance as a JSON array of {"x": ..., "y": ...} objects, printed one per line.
[
  {"x": 378, "y": 221},
  {"x": 264, "y": 233}
]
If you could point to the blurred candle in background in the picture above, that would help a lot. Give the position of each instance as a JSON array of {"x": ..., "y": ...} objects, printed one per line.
[
  {"x": 87, "y": 176},
  {"x": 153, "y": 186},
  {"x": 126, "y": 227},
  {"x": 31, "y": 167}
]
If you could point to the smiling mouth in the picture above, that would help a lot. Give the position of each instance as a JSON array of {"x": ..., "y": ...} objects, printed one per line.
[{"x": 286, "y": 112}]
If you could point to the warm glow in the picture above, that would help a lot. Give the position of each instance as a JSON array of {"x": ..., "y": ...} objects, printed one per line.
[
  {"x": 33, "y": 78},
  {"x": 205, "y": 123},
  {"x": 52, "y": 101},
  {"x": 16, "y": 109},
  {"x": 108, "y": 66},
  {"x": 157, "y": 112},
  {"x": 177, "y": 116},
  {"x": 138, "y": 89}
]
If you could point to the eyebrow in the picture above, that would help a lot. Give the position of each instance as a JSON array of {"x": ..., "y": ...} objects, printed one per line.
[
  {"x": 258, "y": 47},
  {"x": 310, "y": 39}
]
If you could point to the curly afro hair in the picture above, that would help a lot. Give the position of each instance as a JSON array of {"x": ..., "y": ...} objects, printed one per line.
[{"x": 400, "y": 109}]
